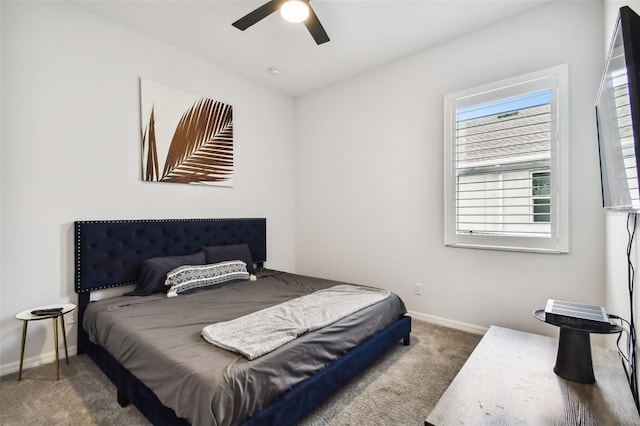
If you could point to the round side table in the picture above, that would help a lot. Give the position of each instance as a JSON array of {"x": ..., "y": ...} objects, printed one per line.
[
  {"x": 26, "y": 316},
  {"x": 573, "y": 360}
]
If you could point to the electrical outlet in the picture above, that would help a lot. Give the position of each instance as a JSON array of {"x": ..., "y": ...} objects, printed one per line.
[{"x": 418, "y": 289}]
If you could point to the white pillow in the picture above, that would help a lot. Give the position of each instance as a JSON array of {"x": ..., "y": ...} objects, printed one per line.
[{"x": 190, "y": 277}]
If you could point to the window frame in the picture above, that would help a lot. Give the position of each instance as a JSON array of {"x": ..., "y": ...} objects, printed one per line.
[{"x": 555, "y": 78}]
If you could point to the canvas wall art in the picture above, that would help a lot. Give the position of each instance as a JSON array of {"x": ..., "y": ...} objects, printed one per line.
[{"x": 185, "y": 138}]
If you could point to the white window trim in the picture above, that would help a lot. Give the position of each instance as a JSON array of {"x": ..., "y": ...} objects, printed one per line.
[{"x": 558, "y": 79}]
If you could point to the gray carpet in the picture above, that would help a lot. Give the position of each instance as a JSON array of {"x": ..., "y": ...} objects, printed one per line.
[{"x": 400, "y": 389}]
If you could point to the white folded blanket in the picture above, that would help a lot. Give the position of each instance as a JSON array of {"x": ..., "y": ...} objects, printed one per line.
[{"x": 263, "y": 331}]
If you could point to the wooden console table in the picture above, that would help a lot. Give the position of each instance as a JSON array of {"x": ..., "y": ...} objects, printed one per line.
[{"x": 509, "y": 379}]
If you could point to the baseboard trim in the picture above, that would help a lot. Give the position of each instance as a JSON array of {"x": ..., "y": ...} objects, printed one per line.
[
  {"x": 445, "y": 322},
  {"x": 37, "y": 360}
]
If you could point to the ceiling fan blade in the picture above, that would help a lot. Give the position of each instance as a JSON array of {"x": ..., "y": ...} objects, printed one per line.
[
  {"x": 315, "y": 27},
  {"x": 257, "y": 15}
]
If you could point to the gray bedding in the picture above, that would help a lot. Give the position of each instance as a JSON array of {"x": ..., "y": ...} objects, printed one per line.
[{"x": 158, "y": 340}]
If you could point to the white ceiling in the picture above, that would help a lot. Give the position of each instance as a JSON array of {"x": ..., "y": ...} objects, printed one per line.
[{"x": 364, "y": 33}]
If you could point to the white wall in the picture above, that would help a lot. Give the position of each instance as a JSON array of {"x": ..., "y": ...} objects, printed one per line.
[
  {"x": 369, "y": 201},
  {"x": 70, "y": 151}
]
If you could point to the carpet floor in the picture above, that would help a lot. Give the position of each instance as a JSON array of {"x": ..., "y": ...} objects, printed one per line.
[{"x": 401, "y": 388}]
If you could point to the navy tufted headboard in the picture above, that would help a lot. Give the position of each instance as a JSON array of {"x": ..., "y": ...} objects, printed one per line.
[{"x": 109, "y": 253}]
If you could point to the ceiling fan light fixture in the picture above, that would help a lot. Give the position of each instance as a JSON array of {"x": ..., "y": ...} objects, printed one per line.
[{"x": 294, "y": 11}]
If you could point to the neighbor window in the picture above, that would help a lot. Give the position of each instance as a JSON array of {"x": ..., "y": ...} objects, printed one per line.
[
  {"x": 540, "y": 196},
  {"x": 506, "y": 164}
]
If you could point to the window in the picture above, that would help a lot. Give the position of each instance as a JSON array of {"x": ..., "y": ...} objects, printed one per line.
[{"x": 506, "y": 164}]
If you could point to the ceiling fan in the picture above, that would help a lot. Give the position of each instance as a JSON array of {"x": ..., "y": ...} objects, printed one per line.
[{"x": 300, "y": 11}]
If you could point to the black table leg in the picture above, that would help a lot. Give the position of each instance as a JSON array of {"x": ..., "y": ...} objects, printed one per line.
[{"x": 573, "y": 361}]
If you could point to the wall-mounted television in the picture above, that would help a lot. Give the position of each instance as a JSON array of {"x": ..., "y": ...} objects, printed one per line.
[{"x": 618, "y": 116}]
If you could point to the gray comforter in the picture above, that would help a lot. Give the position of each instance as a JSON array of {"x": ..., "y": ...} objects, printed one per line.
[{"x": 158, "y": 340}]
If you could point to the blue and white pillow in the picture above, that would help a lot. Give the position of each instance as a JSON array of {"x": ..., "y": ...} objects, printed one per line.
[{"x": 191, "y": 277}]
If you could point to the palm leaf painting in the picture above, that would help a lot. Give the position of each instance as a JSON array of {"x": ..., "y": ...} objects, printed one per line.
[
  {"x": 202, "y": 146},
  {"x": 194, "y": 135}
]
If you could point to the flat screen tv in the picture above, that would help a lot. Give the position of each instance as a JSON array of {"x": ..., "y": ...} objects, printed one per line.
[{"x": 618, "y": 116}]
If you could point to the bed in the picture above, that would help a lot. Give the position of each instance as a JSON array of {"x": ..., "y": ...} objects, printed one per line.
[{"x": 299, "y": 375}]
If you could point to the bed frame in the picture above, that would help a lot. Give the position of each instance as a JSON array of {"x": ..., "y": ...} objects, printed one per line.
[{"x": 109, "y": 254}]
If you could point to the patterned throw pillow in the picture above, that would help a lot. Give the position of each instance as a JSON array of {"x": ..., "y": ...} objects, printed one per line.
[{"x": 192, "y": 277}]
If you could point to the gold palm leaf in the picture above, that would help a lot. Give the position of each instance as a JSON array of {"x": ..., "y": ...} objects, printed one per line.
[
  {"x": 201, "y": 149},
  {"x": 151, "y": 171}
]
